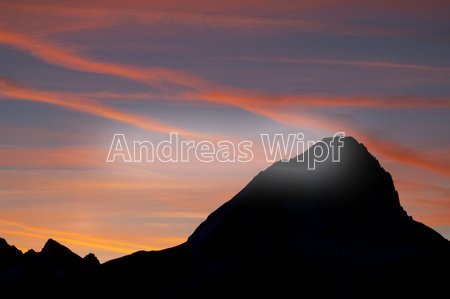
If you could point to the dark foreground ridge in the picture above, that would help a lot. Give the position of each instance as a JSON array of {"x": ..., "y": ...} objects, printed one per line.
[{"x": 336, "y": 230}]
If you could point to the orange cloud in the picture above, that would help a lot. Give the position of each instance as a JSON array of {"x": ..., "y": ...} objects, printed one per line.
[
  {"x": 14, "y": 91},
  {"x": 414, "y": 187},
  {"x": 85, "y": 240},
  {"x": 310, "y": 16},
  {"x": 387, "y": 149},
  {"x": 207, "y": 91},
  {"x": 357, "y": 63},
  {"x": 223, "y": 95},
  {"x": 53, "y": 54},
  {"x": 252, "y": 99},
  {"x": 39, "y": 133},
  {"x": 19, "y": 157},
  {"x": 404, "y": 155},
  {"x": 426, "y": 202}
]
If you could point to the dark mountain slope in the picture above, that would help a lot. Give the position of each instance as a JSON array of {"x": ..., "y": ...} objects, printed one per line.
[{"x": 338, "y": 229}]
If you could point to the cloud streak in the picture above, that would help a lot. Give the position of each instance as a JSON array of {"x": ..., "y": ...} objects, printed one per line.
[
  {"x": 152, "y": 76},
  {"x": 356, "y": 63},
  {"x": 253, "y": 99},
  {"x": 17, "y": 92},
  {"x": 200, "y": 16},
  {"x": 85, "y": 240},
  {"x": 267, "y": 17},
  {"x": 387, "y": 149},
  {"x": 204, "y": 90},
  {"x": 212, "y": 92}
]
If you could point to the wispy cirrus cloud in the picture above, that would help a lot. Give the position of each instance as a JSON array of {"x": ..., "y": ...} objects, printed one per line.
[
  {"x": 248, "y": 98},
  {"x": 262, "y": 105},
  {"x": 267, "y": 17},
  {"x": 199, "y": 15},
  {"x": 74, "y": 238},
  {"x": 65, "y": 57},
  {"x": 213, "y": 92},
  {"x": 356, "y": 63},
  {"x": 388, "y": 149},
  {"x": 385, "y": 148},
  {"x": 205, "y": 90},
  {"x": 18, "y": 92}
]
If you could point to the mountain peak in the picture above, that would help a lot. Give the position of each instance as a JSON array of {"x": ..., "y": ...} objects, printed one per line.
[
  {"x": 331, "y": 150},
  {"x": 52, "y": 245},
  {"x": 344, "y": 171},
  {"x": 353, "y": 194},
  {"x": 91, "y": 259},
  {"x": 54, "y": 248},
  {"x": 10, "y": 249},
  {"x": 30, "y": 252},
  {"x": 3, "y": 243}
]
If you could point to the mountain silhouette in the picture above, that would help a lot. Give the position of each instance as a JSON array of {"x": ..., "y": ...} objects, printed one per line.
[
  {"x": 54, "y": 267},
  {"x": 337, "y": 230}
]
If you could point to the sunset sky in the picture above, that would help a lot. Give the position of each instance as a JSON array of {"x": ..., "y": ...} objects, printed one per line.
[{"x": 72, "y": 74}]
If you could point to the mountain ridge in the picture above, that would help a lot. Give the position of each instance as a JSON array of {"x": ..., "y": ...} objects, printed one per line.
[{"x": 340, "y": 228}]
